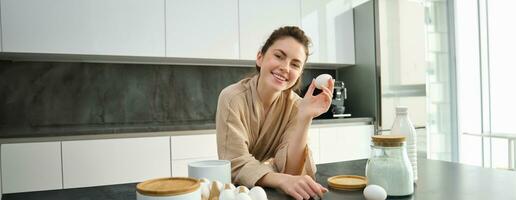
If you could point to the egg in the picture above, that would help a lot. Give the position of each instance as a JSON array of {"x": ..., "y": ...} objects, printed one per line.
[
  {"x": 242, "y": 189},
  {"x": 242, "y": 196},
  {"x": 205, "y": 190},
  {"x": 227, "y": 194},
  {"x": 322, "y": 81},
  {"x": 218, "y": 184},
  {"x": 257, "y": 193},
  {"x": 374, "y": 192},
  {"x": 229, "y": 186}
]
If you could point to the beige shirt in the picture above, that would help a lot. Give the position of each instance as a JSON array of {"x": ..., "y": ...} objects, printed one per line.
[{"x": 256, "y": 144}]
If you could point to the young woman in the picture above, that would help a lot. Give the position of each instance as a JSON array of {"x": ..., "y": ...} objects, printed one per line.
[{"x": 262, "y": 125}]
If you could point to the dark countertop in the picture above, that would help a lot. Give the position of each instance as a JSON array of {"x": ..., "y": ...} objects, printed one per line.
[
  {"x": 437, "y": 180},
  {"x": 63, "y": 133}
]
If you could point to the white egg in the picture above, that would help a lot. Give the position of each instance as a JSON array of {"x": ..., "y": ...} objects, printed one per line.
[
  {"x": 227, "y": 194},
  {"x": 219, "y": 185},
  {"x": 242, "y": 196},
  {"x": 257, "y": 193},
  {"x": 205, "y": 190},
  {"x": 374, "y": 192},
  {"x": 242, "y": 189},
  {"x": 229, "y": 186},
  {"x": 322, "y": 81}
]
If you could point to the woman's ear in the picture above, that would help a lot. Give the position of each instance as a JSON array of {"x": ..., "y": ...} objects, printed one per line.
[{"x": 259, "y": 59}]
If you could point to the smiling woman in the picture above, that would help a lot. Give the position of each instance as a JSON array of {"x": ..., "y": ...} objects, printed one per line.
[{"x": 262, "y": 125}]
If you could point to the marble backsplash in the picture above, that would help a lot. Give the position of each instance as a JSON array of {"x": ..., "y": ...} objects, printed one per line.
[{"x": 37, "y": 96}]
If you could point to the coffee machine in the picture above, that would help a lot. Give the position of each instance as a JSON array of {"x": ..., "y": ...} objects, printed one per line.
[{"x": 339, "y": 96}]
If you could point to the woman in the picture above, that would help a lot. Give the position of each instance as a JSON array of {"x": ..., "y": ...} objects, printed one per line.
[{"x": 262, "y": 125}]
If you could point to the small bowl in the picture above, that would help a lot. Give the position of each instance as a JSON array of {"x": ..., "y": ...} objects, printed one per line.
[{"x": 219, "y": 170}]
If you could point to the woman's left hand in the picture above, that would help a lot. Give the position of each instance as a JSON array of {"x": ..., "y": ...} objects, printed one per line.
[{"x": 313, "y": 106}]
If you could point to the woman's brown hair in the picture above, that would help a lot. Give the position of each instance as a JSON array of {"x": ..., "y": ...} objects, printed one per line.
[{"x": 287, "y": 31}]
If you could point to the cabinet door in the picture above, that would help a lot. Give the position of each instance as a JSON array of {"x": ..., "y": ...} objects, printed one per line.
[
  {"x": 115, "y": 161},
  {"x": 190, "y": 148},
  {"x": 313, "y": 143},
  {"x": 31, "y": 167},
  {"x": 329, "y": 23},
  {"x": 343, "y": 143},
  {"x": 114, "y": 27},
  {"x": 202, "y": 28},
  {"x": 194, "y": 146},
  {"x": 259, "y": 18}
]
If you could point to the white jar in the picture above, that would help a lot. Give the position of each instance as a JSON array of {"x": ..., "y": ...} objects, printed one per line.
[
  {"x": 389, "y": 166},
  {"x": 403, "y": 126},
  {"x": 175, "y": 188}
]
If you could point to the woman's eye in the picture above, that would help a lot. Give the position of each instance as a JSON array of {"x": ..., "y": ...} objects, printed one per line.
[{"x": 277, "y": 55}]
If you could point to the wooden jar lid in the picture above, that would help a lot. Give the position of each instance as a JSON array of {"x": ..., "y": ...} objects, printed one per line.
[
  {"x": 347, "y": 182},
  {"x": 168, "y": 186},
  {"x": 388, "y": 140}
]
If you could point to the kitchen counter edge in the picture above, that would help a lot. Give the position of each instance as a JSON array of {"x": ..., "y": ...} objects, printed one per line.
[{"x": 159, "y": 131}]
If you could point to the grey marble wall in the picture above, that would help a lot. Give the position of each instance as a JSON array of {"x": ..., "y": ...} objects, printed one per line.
[{"x": 77, "y": 96}]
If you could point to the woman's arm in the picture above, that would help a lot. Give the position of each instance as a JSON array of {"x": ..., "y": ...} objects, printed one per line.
[
  {"x": 309, "y": 107},
  {"x": 297, "y": 145}
]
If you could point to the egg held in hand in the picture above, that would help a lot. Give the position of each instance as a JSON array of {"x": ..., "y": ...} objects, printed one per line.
[{"x": 322, "y": 81}]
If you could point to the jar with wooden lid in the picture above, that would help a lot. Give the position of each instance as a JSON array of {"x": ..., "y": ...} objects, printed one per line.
[
  {"x": 389, "y": 165},
  {"x": 174, "y": 188}
]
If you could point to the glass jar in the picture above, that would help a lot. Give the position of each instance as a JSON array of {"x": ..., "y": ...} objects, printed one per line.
[{"x": 389, "y": 165}]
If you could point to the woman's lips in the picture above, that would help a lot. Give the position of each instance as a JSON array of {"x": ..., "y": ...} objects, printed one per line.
[{"x": 279, "y": 77}]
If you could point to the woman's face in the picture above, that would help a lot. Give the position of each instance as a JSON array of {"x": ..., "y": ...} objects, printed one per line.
[{"x": 282, "y": 64}]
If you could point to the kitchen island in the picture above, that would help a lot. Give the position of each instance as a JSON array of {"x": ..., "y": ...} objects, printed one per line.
[{"x": 437, "y": 180}]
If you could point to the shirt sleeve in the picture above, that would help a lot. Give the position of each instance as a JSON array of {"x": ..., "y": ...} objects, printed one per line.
[
  {"x": 233, "y": 145},
  {"x": 280, "y": 160}
]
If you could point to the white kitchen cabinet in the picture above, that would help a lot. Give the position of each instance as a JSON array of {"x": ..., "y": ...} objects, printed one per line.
[
  {"x": 313, "y": 143},
  {"x": 114, "y": 27},
  {"x": 329, "y": 23},
  {"x": 31, "y": 167},
  {"x": 258, "y": 19},
  {"x": 115, "y": 161},
  {"x": 202, "y": 29},
  {"x": 194, "y": 146},
  {"x": 191, "y": 148},
  {"x": 343, "y": 143}
]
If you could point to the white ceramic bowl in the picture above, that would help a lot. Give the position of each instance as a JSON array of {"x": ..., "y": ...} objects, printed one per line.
[{"x": 219, "y": 170}]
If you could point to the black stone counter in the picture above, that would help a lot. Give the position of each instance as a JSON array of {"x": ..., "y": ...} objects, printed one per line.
[
  {"x": 44, "y": 134},
  {"x": 437, "y": 180}
]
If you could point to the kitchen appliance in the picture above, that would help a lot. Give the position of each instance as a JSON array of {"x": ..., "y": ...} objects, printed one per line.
[{"x": 339, "y": 96}]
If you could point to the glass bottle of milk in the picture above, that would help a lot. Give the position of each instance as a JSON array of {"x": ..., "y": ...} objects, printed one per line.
[{"x": 403, "y": 126}]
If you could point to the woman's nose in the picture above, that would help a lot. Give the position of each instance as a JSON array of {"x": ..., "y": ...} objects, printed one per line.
[{"x": 284, "y": 66}]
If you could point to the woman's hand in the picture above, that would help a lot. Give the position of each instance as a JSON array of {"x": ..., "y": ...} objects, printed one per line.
[
  {"x": 313, "y": 106},
  {"x": 302, "y": 187}
]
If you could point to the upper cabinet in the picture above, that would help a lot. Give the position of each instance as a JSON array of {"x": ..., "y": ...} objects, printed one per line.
[
  {"x": 202, "y": 29},
  {"x": 229, "y": 30},
  {"x": 259, "y": 18},
  {"x": 114, "y": 27},
  {"x": 329, "y": 23}
]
